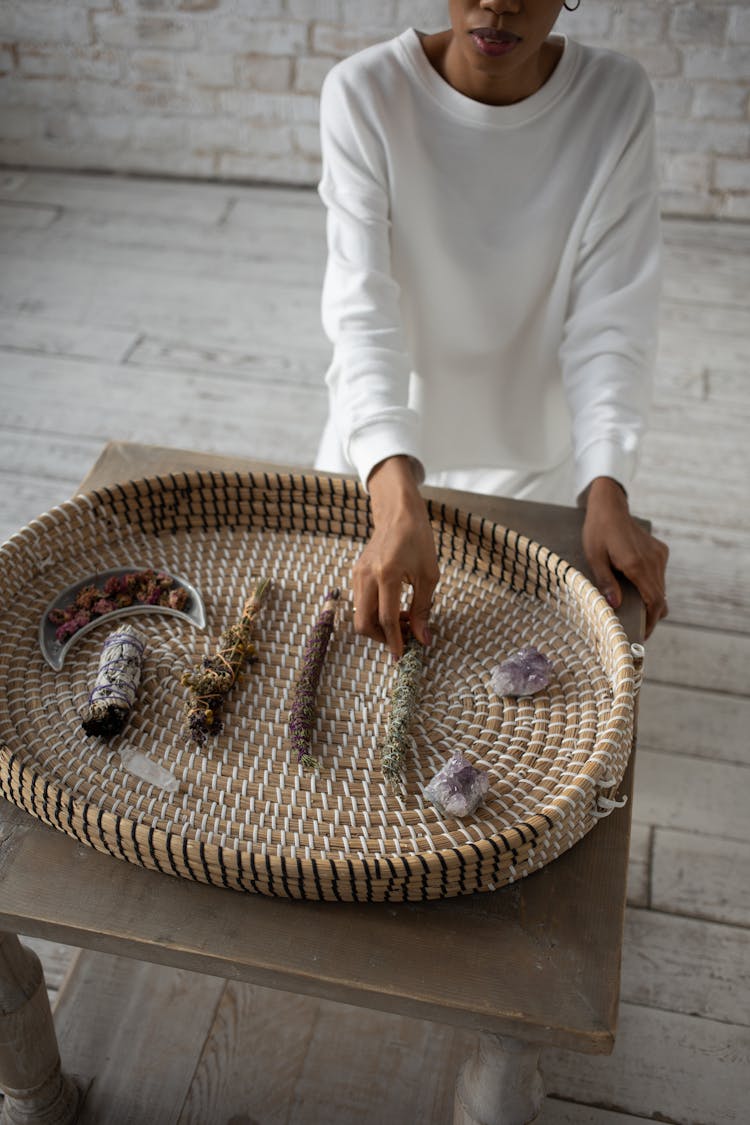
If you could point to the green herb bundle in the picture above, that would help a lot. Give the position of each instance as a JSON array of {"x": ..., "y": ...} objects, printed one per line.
[
  {"x": 404, "y": 701},
  {"x": 212, "y": 680}
]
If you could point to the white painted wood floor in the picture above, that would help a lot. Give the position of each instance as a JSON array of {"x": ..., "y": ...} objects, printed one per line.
[{"x": 187, "y": 314}]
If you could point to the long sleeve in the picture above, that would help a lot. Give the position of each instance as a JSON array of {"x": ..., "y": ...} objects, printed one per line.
[
  {"x": 369, "y": 375},
  {"x": 493, "y": 271},
  {"x": 609, "y": 339}
]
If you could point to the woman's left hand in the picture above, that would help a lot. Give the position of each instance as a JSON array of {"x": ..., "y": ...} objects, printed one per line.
[{"x": 613, "y": 541}]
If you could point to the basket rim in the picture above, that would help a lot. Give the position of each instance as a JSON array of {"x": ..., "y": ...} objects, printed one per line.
[{"x": 351, "y": 495}]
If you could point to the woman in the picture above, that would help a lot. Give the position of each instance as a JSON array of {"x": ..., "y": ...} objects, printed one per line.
[{"x": 491, "y": 289}]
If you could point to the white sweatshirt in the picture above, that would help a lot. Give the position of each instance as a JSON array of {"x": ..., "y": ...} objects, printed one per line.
[{"x": 493, "y": 272}]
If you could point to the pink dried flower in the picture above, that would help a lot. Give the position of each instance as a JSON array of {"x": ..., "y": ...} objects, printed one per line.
[
  {"x": 148, "y": 587},
  {"x": 128, "y": 583},
  {"x": 86, "y": 597},
  {"x": 65, "y": 631},
  {"x": 104, "y": 605}
]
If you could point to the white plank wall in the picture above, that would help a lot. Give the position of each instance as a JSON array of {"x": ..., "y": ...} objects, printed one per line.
[{"x": 188, "y": 314}]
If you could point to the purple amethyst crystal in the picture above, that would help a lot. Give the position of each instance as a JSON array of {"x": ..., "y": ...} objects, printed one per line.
[
  {"x": 523, "y": 673},
  {"x": 457, "y": 788}
]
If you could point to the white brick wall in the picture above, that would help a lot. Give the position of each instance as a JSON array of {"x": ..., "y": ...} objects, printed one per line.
[{"x": 229, "y": 87}]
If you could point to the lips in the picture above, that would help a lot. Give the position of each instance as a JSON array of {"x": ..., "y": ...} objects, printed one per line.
[{"x": 494, "y": 41}]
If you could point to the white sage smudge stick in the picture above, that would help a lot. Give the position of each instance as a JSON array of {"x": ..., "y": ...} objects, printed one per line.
[
  {"x": 404, "y": 700},
  {"x": 302, "y": 713},
  {"x": 113, "y": 694}
]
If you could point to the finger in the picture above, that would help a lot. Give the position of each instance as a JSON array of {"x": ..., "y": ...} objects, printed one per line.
[
  {"x": 368, "y": 627},
  {"x": 419, "y": 612},
  {"x": 366, "y": 616},
  {"x": 648, "y": 576},
  {"x": 656, "y": 609},
  {"x": 604, "y": 579},
  {"x": 650, "y": 586},
  {"x": 389, "y": 616}
]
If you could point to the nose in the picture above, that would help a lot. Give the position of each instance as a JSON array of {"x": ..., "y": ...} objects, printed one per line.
[{"x": 500, "y": 7}]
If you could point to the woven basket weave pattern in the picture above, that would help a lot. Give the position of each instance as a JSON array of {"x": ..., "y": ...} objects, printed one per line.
[{"x": 245, "y": 815}]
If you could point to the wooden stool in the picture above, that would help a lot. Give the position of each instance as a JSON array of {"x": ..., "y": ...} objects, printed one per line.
[{"x": 533, "y": 964}]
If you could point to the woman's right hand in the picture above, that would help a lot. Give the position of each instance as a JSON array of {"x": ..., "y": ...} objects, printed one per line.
[{"x": 401, "y": 550}]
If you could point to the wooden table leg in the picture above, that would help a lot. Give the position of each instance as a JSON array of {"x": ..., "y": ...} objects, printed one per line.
[
  {"x": 499, "y": 1084},
  {"x": 36, "y": 1091}
]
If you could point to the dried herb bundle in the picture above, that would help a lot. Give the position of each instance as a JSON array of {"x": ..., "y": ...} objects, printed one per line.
[
  {"x": 212, "y": 680},
  {"x": 302, "y": 714},
  {"x": 404, "y": 700},
  {"x": 113, "y": 694}
]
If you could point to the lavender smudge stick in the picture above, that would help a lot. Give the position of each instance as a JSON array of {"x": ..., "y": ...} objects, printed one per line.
[
  {"x": 212, "y": 680},
  {"x": 113, "y": 695},
  {"x": 302, "y": 713},
  {"x": 404, "y": 699}
]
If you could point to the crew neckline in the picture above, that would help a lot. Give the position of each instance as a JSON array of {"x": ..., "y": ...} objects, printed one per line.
[{"x": 501, "y": 116}]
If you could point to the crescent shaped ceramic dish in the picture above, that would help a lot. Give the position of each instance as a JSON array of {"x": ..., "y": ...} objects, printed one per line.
[{"x": 54, "y": 651}]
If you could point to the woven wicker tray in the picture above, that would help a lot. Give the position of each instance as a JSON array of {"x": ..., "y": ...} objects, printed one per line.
[{"x": 245, "y": 816}]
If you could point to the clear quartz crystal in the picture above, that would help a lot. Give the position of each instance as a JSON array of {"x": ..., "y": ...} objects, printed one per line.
[
  {"x": 523, "y": 673},
  {"x": 458, "y": 788}
]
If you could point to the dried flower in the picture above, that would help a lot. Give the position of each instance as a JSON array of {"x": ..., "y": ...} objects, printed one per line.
[
  {"x": 64, "y": 632},
  {"x": 213, "y": 679},
  {"x": 87, "y": 596},
  {"x": 104, "y": 605},
  {"x": 404, "y": 700},
  {"x": 302, "y": 713},
  {"x": 120, "y": 591},
  {"x": 177, "y": 599}
]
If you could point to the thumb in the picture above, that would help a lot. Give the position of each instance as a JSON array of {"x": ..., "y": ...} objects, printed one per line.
[
  {"x": 419, "y": 614},
  {"x": 605, "y": 580}
]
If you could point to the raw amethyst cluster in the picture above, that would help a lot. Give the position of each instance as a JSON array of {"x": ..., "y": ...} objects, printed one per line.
[
  {"x": 458, "y": 788},
  {"x": 523, "y": 673}
]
